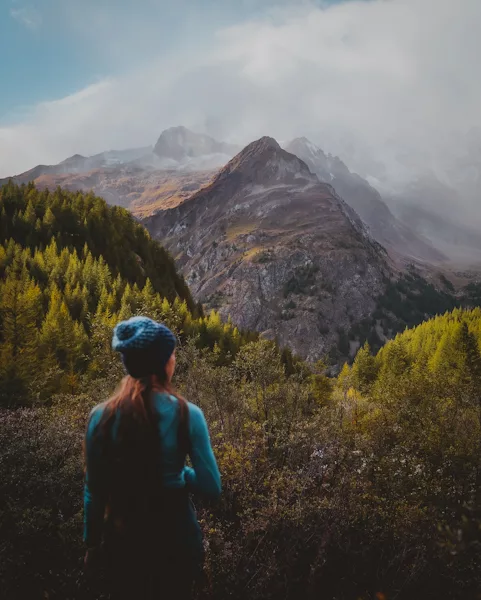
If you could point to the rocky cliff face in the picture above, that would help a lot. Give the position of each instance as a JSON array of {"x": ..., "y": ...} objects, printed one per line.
[
  {"x": 276, "y": 250},
  {"x": 395, "y": 235}
]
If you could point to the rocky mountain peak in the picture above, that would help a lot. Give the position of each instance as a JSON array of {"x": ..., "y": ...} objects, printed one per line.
[
  {"x": 74, "y": 158},
  {"x": 265, "y": 162},
  {"x": 73, "y": 163},
  {"x": 262, "y": 144},
  {"x": 179, "y": 144}
]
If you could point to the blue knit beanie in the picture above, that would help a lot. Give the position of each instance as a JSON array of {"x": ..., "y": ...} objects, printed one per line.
[{"x": 145, "y": 345}]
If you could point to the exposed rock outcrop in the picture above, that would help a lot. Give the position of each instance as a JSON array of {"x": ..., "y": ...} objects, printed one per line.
[{"x": 276, "y": 250}]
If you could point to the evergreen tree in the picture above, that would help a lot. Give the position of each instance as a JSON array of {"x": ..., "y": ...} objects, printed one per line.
[
  {"x": 61, "y": 336},
  {"x": 20, "y": 311},
  {"x": 49, "y": 221},
  {"x": 472, "y": 362},
  {"x": 364, "y": 369}
]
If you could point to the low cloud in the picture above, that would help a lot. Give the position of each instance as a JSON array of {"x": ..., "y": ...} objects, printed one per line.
[{"x": 390, "y": 86}]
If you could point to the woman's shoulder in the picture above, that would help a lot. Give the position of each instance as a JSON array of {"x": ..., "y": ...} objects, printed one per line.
[
  {"x": 195, "y": 412},
  {"x": 96, "y": 414},
  {"x": 196, "y": 418},
  {"x": 170, "y": 402},
  {"x": 98, "y": 410}
]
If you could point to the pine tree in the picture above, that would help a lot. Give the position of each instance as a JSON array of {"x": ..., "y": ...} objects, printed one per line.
[
  {"x": 29, "y": 215},
  {"x": 20, "y": 312},
  {"x": 472, "y": 362},
  {"x": 3, "y": 225},
  {"x": 49, "y": 220},
  {"x": 61, "y": 336},
  {"x": 364, "y": 369},
  {"x": 149, "y": 303}
]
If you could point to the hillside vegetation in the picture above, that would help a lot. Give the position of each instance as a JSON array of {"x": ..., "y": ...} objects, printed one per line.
[
  {"x": 70, "y": 268},
  {"x": 365, "y": 486}
]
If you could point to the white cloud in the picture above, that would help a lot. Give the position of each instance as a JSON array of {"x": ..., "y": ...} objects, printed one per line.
[
  {"x": 27, "y": 16},
  {"x": 385, "y": 84}
]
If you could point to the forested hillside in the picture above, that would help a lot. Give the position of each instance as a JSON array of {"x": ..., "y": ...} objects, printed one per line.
[
  {"x": 365, "y": 486},
  {"x": 441, "y": 356},
  {"x": 78, "y": 221},
  {"x": 70, "y": 268}
]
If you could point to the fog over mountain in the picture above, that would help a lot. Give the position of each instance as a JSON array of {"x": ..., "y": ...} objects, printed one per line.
[{"x": 390, "y": 87}]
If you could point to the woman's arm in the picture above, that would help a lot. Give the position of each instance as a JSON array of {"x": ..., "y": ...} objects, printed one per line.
[
  {"x": 204, "y": 477},
  {"x": 94, "y": 492}
]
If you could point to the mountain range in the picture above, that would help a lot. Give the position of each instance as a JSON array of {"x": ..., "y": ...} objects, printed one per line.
[
  {"x": 140, "y": 179},
  {"x": 148, "y": 179},
  {"x": 287, "y": 241}
]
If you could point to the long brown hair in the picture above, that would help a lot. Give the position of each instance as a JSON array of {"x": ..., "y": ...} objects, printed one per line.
[{"x": 132, "y": 448}]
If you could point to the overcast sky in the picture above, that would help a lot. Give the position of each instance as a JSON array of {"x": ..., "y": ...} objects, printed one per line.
[{"x": 377, "y": 81}]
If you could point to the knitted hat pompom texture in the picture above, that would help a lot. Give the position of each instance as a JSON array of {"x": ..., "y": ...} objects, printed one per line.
[{"x": 141, "y": 336}]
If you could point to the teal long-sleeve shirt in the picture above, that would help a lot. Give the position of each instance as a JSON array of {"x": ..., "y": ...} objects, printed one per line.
[{"x": 202, "y": 478}]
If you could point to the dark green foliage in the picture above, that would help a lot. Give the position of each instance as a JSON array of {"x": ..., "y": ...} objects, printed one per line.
[
  {"x": 289, "y": 361},
  {"x": 472, "y": 294},
  {"x": 412, "y": 299},
  {"x": 41, "y": 503},
  {"x": 362, "y": 487},
  {"x": 74, "y": 220},
  {"x": 374, "y": 340},
  {"x": 215, "y": 300}
]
